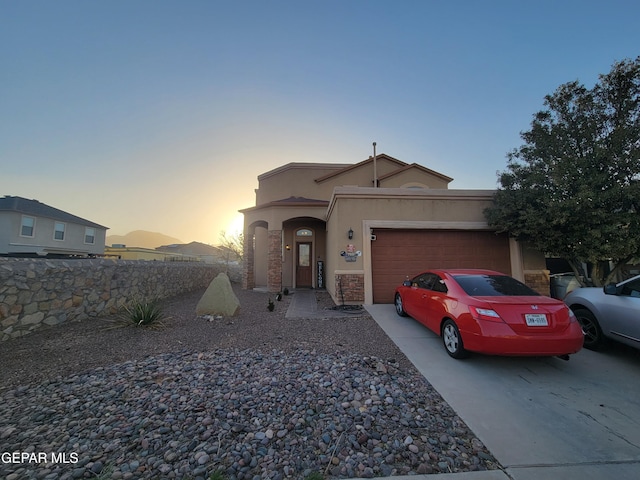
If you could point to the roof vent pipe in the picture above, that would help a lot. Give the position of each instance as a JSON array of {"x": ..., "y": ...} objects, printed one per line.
[{"x": 375, "y": 166}]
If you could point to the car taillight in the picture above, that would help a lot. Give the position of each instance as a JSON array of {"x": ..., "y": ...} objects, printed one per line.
[
  {"x": 572, "y": 316},
  {"x": 485, "y": 314}
]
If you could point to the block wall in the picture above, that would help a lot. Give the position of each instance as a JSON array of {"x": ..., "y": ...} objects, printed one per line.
[{"x": 39, "y": 292}]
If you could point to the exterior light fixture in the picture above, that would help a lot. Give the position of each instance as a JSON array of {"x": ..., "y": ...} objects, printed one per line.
[{"x": 350, "y": 234}]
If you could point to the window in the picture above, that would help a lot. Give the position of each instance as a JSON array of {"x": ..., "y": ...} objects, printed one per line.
[
  {"x": 304, "y": 254},
  {"x": 90, "y": 235},
  {"x": 58, "y": 231},
  {"x": 430, "y": 281},
  {"x": 631, "y": 289},
  {"x": 28, "y": 226},
  {"x": 493, "y": 286},
  {"x": 304, "y": 232}
]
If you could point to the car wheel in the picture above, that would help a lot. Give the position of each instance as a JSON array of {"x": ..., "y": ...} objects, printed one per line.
[
  {"x": 593, "y": 338},
  {"x": 452, "y": 340},
  {"x": 399, "y": 308}
]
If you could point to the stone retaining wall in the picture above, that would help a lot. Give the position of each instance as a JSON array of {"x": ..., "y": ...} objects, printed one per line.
[{"x": 38, "y": 292}]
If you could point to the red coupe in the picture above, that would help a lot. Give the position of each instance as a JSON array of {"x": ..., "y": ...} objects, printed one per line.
[{"x": 488, "y": 312}]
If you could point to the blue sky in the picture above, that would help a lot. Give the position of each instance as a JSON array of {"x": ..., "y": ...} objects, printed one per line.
[{"x": 159, "y": 115}]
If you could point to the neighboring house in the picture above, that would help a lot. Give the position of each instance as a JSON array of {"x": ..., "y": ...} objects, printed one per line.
[
  {"x": 206, "y": 253},
  {"x": 202, "y": 251},
  {"x": 359, "y": 230},
  {"x": 122, "y": 252},
  {"x": 178, "y": 252},
  {"x": 28, "y": 228}
]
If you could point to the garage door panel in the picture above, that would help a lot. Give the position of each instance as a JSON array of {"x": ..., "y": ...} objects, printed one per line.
[{"x": 398, "y": 254}]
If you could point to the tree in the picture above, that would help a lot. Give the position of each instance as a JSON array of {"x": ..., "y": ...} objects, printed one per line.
[
  {"x": 572, "y": 189},
  {"x": 232, "y": 246}
]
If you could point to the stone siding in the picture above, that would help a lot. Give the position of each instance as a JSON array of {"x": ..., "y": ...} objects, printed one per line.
[
  {"x": 39, "y": 292},
  {"x": 349, "y": 288},
  {"x": 274, "y": 264},
  {"x": 538, "y": 280}
]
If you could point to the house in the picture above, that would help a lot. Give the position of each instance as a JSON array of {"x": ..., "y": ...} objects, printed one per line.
[
  {"x": 201, "y": 251},
  {"x": 30, "y": 228},
  {"x": 360, "y": 229},
  {"x": 123, "y": 252}
]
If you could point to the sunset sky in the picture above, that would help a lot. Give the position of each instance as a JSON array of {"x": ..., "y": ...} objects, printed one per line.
[{"x": 159, "y": 115}]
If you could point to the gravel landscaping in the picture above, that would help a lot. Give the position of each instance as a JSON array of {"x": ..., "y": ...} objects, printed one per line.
[{"x": 256, "y": 396}]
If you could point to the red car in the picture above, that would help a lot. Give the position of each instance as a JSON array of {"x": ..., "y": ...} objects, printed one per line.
[{"x": 489, "y": 312}]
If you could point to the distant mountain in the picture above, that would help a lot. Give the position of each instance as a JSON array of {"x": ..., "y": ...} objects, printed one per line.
[
  {"x": 141, "y": 238},
  {"x": 193, "y": 248}
]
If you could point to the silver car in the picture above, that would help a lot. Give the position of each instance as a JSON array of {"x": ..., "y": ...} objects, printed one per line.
[{"x": 612, "y": 312}]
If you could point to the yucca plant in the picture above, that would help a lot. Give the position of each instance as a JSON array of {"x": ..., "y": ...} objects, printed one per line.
[{"x": 144, "y": 313}]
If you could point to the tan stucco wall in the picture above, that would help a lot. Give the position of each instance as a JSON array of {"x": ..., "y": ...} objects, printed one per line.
[
  {"x": 362, "y": 175},
  {"x": 299, "y": 179},
  {"x": 349, "y": 207},
  {"x": 413, "y": 177},
  {"x": 355, "y": 205},
  {"x": 295, "y": 180},
  {"x": 363, "y": 209},
  {"x": 287, "y": 219}
]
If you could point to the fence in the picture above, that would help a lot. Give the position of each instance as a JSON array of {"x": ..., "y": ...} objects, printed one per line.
[{"x": 39, "y": 292}]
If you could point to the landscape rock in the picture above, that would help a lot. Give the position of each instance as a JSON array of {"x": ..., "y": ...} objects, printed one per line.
[{"x": 219, "y": 298}]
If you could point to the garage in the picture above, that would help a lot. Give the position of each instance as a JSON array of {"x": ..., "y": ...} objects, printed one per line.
[{"x": 400, "y": 253}]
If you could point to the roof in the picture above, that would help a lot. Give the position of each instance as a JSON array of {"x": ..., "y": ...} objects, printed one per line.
[
  {"x": 38, "y": 209},
  {"x": 418, "y": 167},
  {"x": 303, "y": 165},
  {"x": 290, "y": 202},
  {"x": 380, "y": 156}
]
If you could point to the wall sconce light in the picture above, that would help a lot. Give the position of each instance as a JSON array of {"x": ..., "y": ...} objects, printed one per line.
[
  {"x": 287, "y": 247},
  {"x": 350, "y": 234}
]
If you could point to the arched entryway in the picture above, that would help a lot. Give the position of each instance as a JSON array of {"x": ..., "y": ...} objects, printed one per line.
[{"x": 305, "y": 240}]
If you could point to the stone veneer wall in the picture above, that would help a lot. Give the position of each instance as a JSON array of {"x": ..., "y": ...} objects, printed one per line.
[
  {"x": 349, "y": 288},
  {"x": 538, "y": 280},
  {"x": 39, "y": 292}
]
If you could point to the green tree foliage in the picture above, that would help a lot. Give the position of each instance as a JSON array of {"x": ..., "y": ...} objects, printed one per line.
[{"x": 572, "y": 189}]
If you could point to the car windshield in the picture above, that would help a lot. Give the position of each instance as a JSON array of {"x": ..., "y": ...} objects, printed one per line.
[{"x": 493, "y": 286}]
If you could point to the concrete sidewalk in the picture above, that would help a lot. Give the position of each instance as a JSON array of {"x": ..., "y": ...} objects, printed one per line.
[{"x": 304, "y": 305}]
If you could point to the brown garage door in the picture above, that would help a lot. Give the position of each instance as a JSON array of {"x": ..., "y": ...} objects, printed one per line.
[{"x": 398, "y": 254}]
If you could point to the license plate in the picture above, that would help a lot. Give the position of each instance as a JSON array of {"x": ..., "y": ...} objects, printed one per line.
[{"x": 536, "y": 319}]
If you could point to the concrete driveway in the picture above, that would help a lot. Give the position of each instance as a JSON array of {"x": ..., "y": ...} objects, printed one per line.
[{"x": 542, "y": 418}]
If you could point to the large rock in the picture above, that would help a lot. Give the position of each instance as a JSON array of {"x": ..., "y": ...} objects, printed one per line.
[{"x": 219, "y": 298}]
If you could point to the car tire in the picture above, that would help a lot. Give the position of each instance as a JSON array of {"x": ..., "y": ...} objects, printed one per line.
[
  {"x": 593, "y": 337},
  {"x": 452, "y": 340},
  {"x": 399, "y": 307}
]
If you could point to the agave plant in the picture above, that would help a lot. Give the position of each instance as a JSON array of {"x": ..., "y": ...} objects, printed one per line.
[{"x": 144, "y": 313}]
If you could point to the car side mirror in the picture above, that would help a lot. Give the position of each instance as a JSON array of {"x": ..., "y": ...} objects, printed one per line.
[
  {"x": 406, "y": 283},
  {"x": 610, "y": 289}
]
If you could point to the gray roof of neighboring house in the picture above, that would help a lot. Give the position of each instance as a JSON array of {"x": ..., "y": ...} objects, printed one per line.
[{"x": 37, "y": 209}]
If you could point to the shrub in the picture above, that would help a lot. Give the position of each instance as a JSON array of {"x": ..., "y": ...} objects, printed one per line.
[{"x": 144, "y": 313}]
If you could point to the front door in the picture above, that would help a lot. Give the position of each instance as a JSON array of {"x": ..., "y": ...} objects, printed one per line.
[{"x": 303, "y": 265}]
